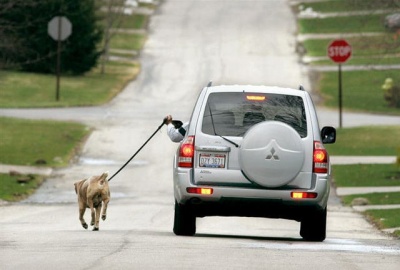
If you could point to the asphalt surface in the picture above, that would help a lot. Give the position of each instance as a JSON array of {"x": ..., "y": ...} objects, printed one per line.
[{"x": 190, "y": 43}]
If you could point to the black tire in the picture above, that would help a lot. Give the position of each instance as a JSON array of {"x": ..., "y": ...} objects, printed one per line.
[
  {"x": 313, "y": 227},
  {"x": 184, "y": 221}
]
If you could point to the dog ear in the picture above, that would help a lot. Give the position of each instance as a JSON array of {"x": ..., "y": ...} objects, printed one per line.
[
  {"x": 78, "y": 185},
  {"x": 104, "y": 176}
]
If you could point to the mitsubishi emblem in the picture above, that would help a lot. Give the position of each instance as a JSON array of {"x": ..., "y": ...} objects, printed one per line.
[{"x": 272, "y": 155}]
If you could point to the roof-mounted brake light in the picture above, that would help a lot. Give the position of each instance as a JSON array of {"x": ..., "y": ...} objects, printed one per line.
[{"x": 255, "y": 98}]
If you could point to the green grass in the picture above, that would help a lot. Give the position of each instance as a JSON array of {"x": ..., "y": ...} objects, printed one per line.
[
  {"x": 375, "y": 198},
  {"x": 366, "y": 175},
  {"x": 361, "y": 90},
  {"x": 348, "y": 5},
  {"x": 343, "y": 24},
  {"x": 128, "y": 41},
  {"x": 134, "y": 21},
  {"x": 23, "y": 142},
  {"x": 361, "y": 46},
  {"x": 363, "y": 61},
  {"x": 366, "y": 141},
  {"x": 13, "y": 191},
  {"x": 388, "y": 218},
  {"x": 28, "y": 90}
]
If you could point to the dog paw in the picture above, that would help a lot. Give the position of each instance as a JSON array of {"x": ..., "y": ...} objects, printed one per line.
[
  {"x": 103, "y": 217},
  {"x": 95, "y": 229},
  {"x": 85, "y": 226}
]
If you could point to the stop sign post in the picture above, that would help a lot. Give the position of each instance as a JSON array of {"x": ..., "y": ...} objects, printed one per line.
[
  {"x": 59, "y": 28},
  {"x": 339, "y": 51}
]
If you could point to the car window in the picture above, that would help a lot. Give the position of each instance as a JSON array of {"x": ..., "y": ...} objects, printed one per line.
[{"x": 233, "y": 113}]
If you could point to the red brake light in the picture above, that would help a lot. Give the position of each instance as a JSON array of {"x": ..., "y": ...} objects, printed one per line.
[
  {"x": 303, "y": 195},
  {"x": 186, "y": 153},
  {"x": 202, "y": 191},
  {"x": 320, "y": 162}
]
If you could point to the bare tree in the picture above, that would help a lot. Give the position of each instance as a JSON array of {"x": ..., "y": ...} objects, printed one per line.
[{"x": 114, "y": 11}]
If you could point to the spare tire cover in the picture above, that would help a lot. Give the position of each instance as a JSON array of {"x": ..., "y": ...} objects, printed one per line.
[{"x": 271, "y": 154}]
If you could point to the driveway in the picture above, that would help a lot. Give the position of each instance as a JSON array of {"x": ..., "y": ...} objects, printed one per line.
[{"x": 190, "y": 43}]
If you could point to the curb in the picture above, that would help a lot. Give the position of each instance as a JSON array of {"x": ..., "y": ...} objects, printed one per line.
[
  {"x": 347, "y": 160},
  {"x": 46, "y": 171},
  {"x": 362, "y": 208},
  {"x": 343, "y": 191}
]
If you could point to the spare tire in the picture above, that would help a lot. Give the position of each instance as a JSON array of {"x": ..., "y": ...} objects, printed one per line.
[{"x": 271, "y": 154}]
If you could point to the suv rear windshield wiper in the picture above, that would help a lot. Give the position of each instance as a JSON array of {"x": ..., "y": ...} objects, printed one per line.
[
  {"x": 215, "y": 133},
  {"x": 235, "y": 144}
]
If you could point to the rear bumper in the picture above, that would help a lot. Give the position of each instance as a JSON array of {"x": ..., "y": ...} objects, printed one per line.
[{"x": 250, "y": 201}]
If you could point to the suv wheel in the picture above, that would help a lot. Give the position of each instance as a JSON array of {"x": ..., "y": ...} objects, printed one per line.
[
  {"x": 313, "y": 227},
  {"x": 184, "y": 221}
]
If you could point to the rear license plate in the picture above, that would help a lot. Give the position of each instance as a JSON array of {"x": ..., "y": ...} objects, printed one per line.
[{"x": 212, "y": 160}]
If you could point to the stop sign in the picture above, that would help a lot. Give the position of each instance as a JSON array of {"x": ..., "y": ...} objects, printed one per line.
[
  {"x": 59, "y": 28},
  {"x": 339, "y": 51}
]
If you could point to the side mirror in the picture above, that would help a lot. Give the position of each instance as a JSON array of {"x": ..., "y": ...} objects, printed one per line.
[{"x": 328, "y": 135}]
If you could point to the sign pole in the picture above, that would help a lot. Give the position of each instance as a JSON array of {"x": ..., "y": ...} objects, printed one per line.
[
  {"x": 340, "y": 96},
  {"x": 58, "y": 68},
  {"x": 59, "y": 28},
  {"x": 339, "y": 51}
]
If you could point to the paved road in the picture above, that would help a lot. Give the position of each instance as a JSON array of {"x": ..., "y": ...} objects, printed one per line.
[{"x": 190, "y": 43}]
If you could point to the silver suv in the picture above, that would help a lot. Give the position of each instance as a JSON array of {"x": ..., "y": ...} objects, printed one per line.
[{"x": 253, "y": 151}]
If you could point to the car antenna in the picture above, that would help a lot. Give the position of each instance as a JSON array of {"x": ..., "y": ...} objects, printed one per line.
[
  {"x": 301, "y": 88},
  {"x": 209, "y": 84}
]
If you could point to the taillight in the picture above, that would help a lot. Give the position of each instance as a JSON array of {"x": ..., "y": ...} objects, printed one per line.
[
  {"x": 320, "y": 162},
  {"x": 202, "y": 191},
  {"x": 186, "y": 153},
  {"x": 303, "y": 195}
]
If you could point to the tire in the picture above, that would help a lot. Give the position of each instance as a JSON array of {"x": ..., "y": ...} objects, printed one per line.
[
  {"x": 313, "y": 227},
  {"x": 184, "y": 221}
]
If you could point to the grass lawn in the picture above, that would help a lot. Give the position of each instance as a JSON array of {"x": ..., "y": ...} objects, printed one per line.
[
  {"x": 128, "y": 41},
  {"x": 346, "y": 5},
  {"x": 388, "y": 218},
  {"x": 134, "y": 21},
  {"x": 125, "y": 21},
  {"x": 13, "y": 191},
  {"x": 375, "y": 198},
  {"x": 363, "y": 61},
  {"x": 361, "y": 90},
  {"x": 361, "y": 46},
  {"x": 28, "y": 90},
  {"x": 343, "y": 24},
  {"x": 366, "y": 141},
  {"x": 23, "y": 142},
  {"x": 366, "y": 175}
]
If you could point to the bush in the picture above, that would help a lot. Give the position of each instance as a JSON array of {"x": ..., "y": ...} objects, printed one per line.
[{"x": 391, "y": 93}]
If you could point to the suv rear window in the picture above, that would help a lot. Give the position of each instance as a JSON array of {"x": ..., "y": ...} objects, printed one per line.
[{"x": 233, "y": 113}]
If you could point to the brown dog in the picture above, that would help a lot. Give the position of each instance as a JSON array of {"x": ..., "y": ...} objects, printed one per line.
[{"x": 91, "y": 193}]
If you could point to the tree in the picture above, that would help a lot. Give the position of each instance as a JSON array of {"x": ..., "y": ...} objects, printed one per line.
[
  {"x": 114, "y": 10},
  {"x": 23, "y": 27}
]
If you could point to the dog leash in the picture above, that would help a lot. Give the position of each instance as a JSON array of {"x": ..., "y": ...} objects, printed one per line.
[{"x": 126, "y": 163}]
